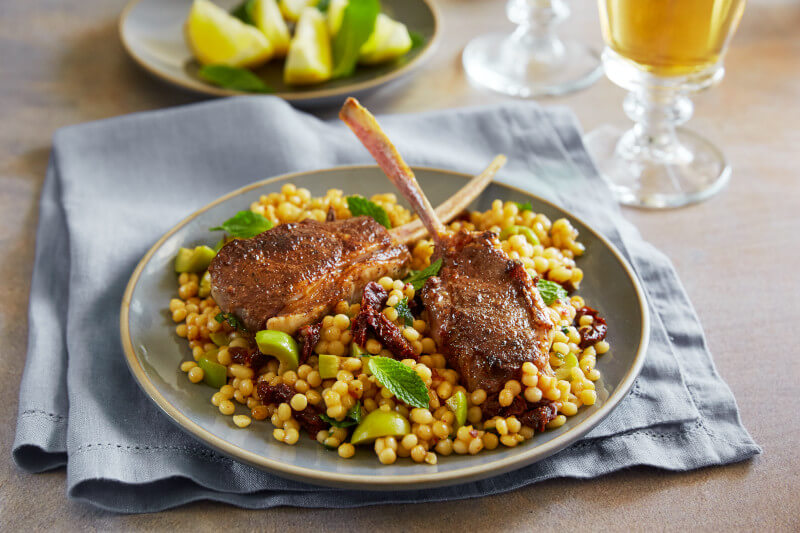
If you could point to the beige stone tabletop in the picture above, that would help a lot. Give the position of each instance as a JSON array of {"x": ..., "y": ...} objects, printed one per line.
[{"x": 61, "y": 63}]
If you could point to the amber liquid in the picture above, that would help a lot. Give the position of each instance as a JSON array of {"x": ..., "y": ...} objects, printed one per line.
[{"x": 670, "y": 37}]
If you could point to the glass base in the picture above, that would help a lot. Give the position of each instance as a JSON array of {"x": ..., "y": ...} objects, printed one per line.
[
  {"x": 497, "y": 62},
  {"x": 641, "y": 181}
]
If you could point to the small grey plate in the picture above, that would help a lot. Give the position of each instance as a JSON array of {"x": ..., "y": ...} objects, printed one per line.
[
  {"x": 154, "y": 352},
  {"x": 152, "y": 33}
]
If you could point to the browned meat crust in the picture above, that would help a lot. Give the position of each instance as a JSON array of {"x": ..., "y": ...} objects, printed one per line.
[
  {"x": 293, "y": 274},
  {"x": 485, "y": 314},
  {"x": 370, "y": 318}
]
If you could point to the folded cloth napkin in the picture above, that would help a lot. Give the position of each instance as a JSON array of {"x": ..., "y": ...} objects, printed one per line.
[{"x": 113, "y": 187}]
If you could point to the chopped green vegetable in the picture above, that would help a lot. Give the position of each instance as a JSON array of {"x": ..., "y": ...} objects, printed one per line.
[
  {"x": 401, "y": 380},
  {"x": 380, "y": 424},
  {"x": 551, "y": 291},
  {"x": 244, "y": 12},
  {"x": 220, "y": 338},
  {"x": 245, "y": 225},
  {"x": 214, "y": 374},
  {"x": 235, "y": 78},
  {"x": 404, "y": 312},
  {"x": 352, "y": 417},
  {"x": 417, "y": 278},
  {"x": 194, "y": 259},
  {"x": 358, "y": 205},
  {"x": 458, "y": 404},
  {"x": 205, "y": 285},
  {"x": 525, "y": 231},
  {"x": 230, "y": 319},
  {"x": 323, "y": 5},
  {"x": 356, "y": 350},
  {"x": 524, "y": 207},
  {"x": 328, "y": 366},
  {"x": 358, "y": 23},
  {"x": 279, "y": 345}
]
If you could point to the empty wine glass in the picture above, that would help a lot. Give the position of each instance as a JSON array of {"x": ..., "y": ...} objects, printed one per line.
[
  {"x": 532, "y": 60},
  {"x": 661, "y": 51}
]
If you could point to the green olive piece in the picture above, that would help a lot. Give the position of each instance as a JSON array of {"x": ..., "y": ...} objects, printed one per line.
[
  {"x": 204, "y": 291},
  {"x": 194, "y": 259},
  {"x": 214, "y": 374},
  {"x": 458, "y": 404},
  {"x": 525, "y": 231},
  {"x": 380, "y": 424},
  {"x": 220, "y": 338},
  {"x": 280, "y": 345},
  {"x": 356, "y": 350},
  {"x": 328, "y": 366}
]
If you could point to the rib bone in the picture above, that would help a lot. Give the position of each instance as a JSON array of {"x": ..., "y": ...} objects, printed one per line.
[{"x": 454, "y": 205}]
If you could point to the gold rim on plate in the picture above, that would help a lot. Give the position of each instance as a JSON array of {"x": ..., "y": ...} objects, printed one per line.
[
  {"x": 378, "y": 481},
  {"x": 203, "y": 87}
]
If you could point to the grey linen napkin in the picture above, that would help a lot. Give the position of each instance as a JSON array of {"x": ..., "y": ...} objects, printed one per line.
[{"x": 115, "y": 186}]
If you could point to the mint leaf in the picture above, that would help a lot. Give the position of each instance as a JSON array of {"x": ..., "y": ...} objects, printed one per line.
[
  {"x": 245, "y": 224},
  {"x": 230, "y": 319},
  {"x": 244, "y": 12},
  {"x": 417, "y": 278},
  {"x": 358, "y": 205},
  {"x": 353, "y": 417},
  {"x": 358, "y": 23},
  {"x": 237, "y": 79},
  {"x": 401, "y": 380},
  {"x": 417, "y": 39},
  {"x": 524, "y": 207},
  {"x": 323, "y": 5},
  {"x": 551, "y": 291},
  {"x": 404, "y": 312}
]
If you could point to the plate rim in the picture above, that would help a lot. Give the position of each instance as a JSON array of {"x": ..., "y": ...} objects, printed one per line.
[
  {"x": 318, "y": 94},
  {"x": 378, "y": 481}
]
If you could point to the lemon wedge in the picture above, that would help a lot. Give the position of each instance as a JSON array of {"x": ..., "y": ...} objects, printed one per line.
[
  {"x": 388, "y": 41},
  {"x": 217, "y": 38},
  {"x": 309, "y": 60},
  {"x": 335, "y": 16},
  {"x": 292, "y": 9},
  {"x": 267, "y": 18}
]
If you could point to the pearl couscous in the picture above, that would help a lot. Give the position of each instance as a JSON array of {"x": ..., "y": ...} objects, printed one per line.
[{"x": 432, "y": 431}]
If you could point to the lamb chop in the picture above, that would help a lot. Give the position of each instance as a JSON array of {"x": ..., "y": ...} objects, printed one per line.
[
  {"x": 486, "y": 315},
  {"x": 293, "y": 274}
]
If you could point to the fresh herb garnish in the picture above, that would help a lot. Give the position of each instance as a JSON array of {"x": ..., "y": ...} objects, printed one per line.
[
  {"x": 323, "y": 5},
  {"x": 551, "y": 291},
  {"x": 417, "y": 278},
  {"x": 524, "y": 207},
  {"x": 358, "y": 23},
  {"x": 230, "y": 319},
  {"x": 401, "y": 380},
  {"x": 352, "y": 418},
  {"x": 565, "y": 330},
  {"x": 244, "y": 12},
  {"x": 244, "y": 225},
  {"x": 358, "y": 205},
  {"x": 417, "y": 39},
  {"x": 404, "y": 312},
  {"x": 237, "y": 79}
]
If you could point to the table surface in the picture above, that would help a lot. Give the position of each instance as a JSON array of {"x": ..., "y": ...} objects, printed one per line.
[{"x": 62, "y": 63}]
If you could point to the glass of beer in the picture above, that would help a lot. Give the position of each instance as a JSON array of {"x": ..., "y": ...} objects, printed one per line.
[
  {"x": 533, "y": 60},
  {"x": 661, "y": 51}
]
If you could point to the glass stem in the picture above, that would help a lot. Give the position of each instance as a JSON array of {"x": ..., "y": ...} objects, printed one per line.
[
  {"x": 536, "y": 31},
  {"x": 656, "y": 113}
]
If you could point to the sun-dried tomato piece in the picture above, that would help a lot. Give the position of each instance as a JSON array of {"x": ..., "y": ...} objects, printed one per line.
[
  {"x": 590, "y": 334},
  {"x": 370, "y": 318},
  {"x": 539, "y": 414},
  {"x": 309, "y": 336},
  {"x": 308, "y": 418},
  {"x": 247, "y": 357}
]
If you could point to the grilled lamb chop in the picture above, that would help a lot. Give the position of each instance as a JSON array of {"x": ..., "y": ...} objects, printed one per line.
[
  {"x": 294, "y": 274},
  {"x": 485, "y": 313}
]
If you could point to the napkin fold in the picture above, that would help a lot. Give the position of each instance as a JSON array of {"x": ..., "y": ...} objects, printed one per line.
[{"x": 113, "y": 187}]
